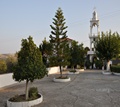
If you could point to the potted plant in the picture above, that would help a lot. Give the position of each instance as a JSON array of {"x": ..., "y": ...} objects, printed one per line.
[{"x": 28, "y": 68}]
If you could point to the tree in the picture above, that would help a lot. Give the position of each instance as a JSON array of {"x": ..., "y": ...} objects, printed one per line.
[
  {"x": 11, "y": 61},
  {"x": 82, "y": 55},
  {"x": 30, "y": 65},
  {"x": 108, "y": 46},
  {"x": 3, "y": 66},
  {"x": 58, "y": 39},
  {"x": 77, "y": 53},
  {"x": 46, "y": 50},
  {"x": 86, "y": 50}
]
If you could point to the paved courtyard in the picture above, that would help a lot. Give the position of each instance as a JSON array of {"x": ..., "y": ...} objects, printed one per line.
[{"x": 88, "y": 89}]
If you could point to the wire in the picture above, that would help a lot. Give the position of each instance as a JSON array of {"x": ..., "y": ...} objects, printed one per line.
[{"x": 101, "y": 17}]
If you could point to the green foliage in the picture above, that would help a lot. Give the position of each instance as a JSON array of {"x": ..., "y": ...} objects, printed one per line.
[
  {"x": 72, "y": 71},
  {"x": 88, "y": 64},
  {"x": 108, "y": 45},
  {"x": 115, "y": 68},
  {"x": 58, "y": 39},
  {"x": 11, "y": 61},
  {"x": 98, "y": 64},
  {"x": 33, "y": 93},
  {"x": 86, "y": 50},
  {"x": 77, "y": 53},
  {"x": 3, "y": 66},
  {"x": 29, "y": 66},
  {"x": 46, "y": 50}
]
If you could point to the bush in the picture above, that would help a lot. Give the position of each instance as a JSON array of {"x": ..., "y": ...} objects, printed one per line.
[
  {"x": 115, "y": 68},
  {"x": 88, "y": 64},
  {"x": 3, "y": 66},
  {"x": 73, "y": 71},
  {"x": 98, "y": 64},
  {"x": 33, "y": 93},
  {"x": 10, "y": 62}
]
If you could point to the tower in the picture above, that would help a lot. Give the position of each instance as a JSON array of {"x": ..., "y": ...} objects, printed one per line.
[{"x": 94, "y": 22}]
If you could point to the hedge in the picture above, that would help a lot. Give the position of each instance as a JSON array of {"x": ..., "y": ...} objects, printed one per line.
[{"x": 115, "y": 68}]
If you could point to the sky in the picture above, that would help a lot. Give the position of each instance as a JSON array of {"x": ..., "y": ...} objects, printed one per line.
[{"x": 21, "y": 18}]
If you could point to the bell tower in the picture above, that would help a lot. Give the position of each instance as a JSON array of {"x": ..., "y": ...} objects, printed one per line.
[{"x": 94, "y": 22}]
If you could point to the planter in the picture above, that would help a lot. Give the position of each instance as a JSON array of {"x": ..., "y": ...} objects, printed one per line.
[
  {"x": 77, "y": 72},
  {"x": 61, "y": 80},
  {"x": 118, "y": 74},
  {"x": 106, "y": 73},
  {"x": 25, "y": 103}
]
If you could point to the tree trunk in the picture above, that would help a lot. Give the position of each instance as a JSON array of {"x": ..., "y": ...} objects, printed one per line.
[
  {"x": 26, "y": 90},
  {"x": 60, "y": 71},
  {"x": 108, "y": 65}
]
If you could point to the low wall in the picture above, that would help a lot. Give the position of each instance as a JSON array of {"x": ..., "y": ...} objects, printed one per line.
[
  {"x": 53, "y": 70},
  {"x": 6, "y": 79}
]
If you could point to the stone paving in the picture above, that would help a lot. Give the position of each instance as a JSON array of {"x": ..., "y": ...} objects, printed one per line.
[{"x": 87, "y": 89}]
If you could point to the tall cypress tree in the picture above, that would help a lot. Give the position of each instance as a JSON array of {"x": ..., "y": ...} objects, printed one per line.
[{"x": 58, "y": 39}]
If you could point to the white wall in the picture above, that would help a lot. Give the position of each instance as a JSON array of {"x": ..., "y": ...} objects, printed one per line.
[
  {"x": 6, "y": 79},
  {"x": 53, "y": 70}
]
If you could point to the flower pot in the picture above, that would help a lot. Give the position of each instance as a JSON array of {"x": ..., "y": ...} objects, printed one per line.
[
  {"x": 61, "y": 80},
  {"x": 25, "y": 103},
  {"x": 77, "y": 72},
  {"x": 106, "y": 73},
  {"x": 118, "y": 74}
]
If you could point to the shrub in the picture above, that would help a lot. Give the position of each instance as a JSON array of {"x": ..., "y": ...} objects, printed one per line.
[
  {"x": 115, "y": 68},
  {"x": 98, "y": 64},
  {"x": 10, "y": 62},
  {"x": 88, "y": 64},
  {"x": 33, "y": 93},
  {"x": 3, "y": 66},
  {"x": 73, "y": 71}
]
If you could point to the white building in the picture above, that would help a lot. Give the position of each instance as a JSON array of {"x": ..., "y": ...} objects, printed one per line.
[{"x": 94, "y": 23}]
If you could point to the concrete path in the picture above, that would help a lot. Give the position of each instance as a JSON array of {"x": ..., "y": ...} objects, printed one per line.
[{"x": 87, "y": 89}]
